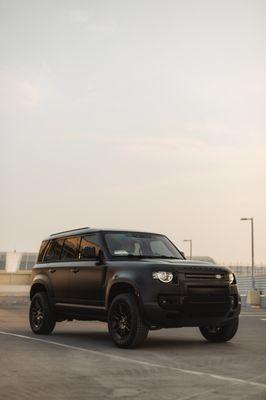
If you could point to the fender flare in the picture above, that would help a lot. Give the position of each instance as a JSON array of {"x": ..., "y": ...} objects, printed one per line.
[
  {"x": 43, "y": 280},
  {"x": 123, "y": 280}
]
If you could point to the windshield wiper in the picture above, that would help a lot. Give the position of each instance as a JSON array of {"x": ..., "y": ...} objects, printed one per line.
[
  {"x": 162, "y": 256},
  {"x": 133, "y": 256},
  {"x": 145, "y": 256}
]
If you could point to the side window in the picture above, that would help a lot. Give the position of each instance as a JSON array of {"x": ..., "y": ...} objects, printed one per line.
[
  {"x": 89, "y": 247},
  {"x": 70, "y": 248},
  {"x": 54, "y": 250},
  {"x": 42, "y": 250}
]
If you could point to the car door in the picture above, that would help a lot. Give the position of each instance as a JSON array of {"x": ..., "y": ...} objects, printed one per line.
[
  {"x": 87, "y": 277},
  {"x": 69, "y": 257},
  {"x": 57, "y": 272}
]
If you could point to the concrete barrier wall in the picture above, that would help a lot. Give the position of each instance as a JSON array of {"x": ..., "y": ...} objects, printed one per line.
[{"x": 18, "y": 278}]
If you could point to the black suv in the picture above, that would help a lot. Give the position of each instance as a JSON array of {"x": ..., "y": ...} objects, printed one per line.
[{"x": 136, "y": 281}]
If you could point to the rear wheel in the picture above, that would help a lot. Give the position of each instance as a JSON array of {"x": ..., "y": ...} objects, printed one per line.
[
  {"x": 220, "y": 333},
  {"x": 42, "y": 318},
  {"x": 125, "y": 324}
]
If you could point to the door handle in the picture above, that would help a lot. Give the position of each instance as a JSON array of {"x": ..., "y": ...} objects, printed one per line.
[
  {"x": 74, "y": 270},
  {"x": 52, "y": 270}
]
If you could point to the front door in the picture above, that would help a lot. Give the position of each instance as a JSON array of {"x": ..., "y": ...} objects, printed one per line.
[{"x": 87, "y": 275}]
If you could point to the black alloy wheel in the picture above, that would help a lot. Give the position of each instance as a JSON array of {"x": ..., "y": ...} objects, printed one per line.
[
  {"x": 121, "y": 320},
  {"x": 42, "y": 318},
  {"x": 222, "y": 333},
  {"x": 37, "y": 313},
  {"x": 125, "y": 324}
]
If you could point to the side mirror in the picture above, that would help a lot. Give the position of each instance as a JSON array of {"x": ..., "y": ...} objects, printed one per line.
[{"x": 87, "y": 252}]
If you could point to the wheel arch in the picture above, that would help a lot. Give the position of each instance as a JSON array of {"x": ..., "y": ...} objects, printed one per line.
[
  {"x": 119, "y": 287},
  {"x": 36, "y": 288},
  {"x": 40, "y": 284}
]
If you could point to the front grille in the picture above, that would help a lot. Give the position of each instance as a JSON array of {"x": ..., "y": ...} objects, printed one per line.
[
  {"x": 211, "y": 291},
  {"x": 200, "y": 301},
  {"x": 208, "y": 301},
  {"x": 208, "y": 310},
  {"x": 197, "y": 275}
]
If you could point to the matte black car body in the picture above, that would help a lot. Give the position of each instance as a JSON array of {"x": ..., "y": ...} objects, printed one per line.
[{"x": 200, "y": 294}]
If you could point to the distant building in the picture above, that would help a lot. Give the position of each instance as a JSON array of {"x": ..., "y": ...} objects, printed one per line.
[
  {"x": 2, "y": 260},
  {"x": 14, "y": 261}
]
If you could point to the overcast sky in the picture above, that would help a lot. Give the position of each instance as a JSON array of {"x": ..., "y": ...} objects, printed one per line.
[{"x": 147, "y": 114}]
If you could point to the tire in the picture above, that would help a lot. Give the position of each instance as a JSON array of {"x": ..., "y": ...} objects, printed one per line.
[
  {"x": 125, "y": 324},
  {"x": 220, "y": 333},
  {"x": 42, "y": 318}
]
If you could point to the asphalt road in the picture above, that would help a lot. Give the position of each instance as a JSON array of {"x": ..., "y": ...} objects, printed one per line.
[{"x": 79, "y": 361}]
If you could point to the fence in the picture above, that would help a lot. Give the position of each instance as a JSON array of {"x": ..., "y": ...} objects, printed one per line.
[
  {"x": 245, "y": 270},
  {"x": 244, "y": 284}
]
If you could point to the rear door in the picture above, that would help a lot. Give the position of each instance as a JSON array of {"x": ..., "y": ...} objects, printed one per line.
[
  {"x": 87, "y": 277},
  {"x": 58, "y": 273},
  {"x": 68, "y": 260}
]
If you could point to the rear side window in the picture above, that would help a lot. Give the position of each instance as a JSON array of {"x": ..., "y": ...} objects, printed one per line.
[
  {"x": 42, "y": 250},
  {"x": 54, "y": 250},
  {"x": 70, "y": 248}
]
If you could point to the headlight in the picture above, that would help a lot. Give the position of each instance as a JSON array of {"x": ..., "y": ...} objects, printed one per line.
[
  {"x": 231, "y": 278},
  {"x": 163, "y": 276}
]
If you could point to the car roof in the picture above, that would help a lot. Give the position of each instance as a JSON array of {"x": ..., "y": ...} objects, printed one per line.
[{"x": 79, "y": 231}]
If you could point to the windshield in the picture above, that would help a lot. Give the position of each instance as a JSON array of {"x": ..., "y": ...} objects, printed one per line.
[{"x": 143, "y": 245}]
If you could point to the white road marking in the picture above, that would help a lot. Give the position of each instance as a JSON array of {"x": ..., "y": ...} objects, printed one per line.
[
  {"x": 263, "y": 319},
  {"x": 250, "y": 315},
  {"x": 145, "y": 363},
  {"x": 192, "y": 396}
]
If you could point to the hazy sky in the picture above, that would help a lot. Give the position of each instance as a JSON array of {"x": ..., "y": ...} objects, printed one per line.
[{"x": 148, "y": 115}]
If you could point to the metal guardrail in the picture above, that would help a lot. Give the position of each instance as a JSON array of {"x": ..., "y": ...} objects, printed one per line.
[{"x": 244, "y": 284}]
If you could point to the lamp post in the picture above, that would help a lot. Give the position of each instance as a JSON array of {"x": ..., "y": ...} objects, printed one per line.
[
  {"x": 190, "y": 247},
  {"x": 252, "y": 248}
]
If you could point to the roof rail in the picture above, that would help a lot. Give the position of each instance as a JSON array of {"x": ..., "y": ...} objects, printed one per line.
[{"x": 71, "y": 230}]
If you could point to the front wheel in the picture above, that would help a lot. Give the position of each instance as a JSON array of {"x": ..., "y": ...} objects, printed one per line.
[
  {"x": 220, "y": 333},
  {"x": 42, "y": 318},
  {"x": 125, "y": 324}
]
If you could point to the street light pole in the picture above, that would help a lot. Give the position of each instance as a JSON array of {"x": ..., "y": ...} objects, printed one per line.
[
  {"x": 190, "y": 247},
  {"x": 252, "y": 248},
  {"x": 252, "y": 252}
]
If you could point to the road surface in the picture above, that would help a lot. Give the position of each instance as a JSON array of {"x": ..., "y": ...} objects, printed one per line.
[{"x": 78, "y": 361}]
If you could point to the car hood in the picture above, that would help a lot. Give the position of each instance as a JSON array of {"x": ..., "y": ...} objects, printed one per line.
[
  {"x": 187, "y": 265},
  {"x": 175, "y": 265}
]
